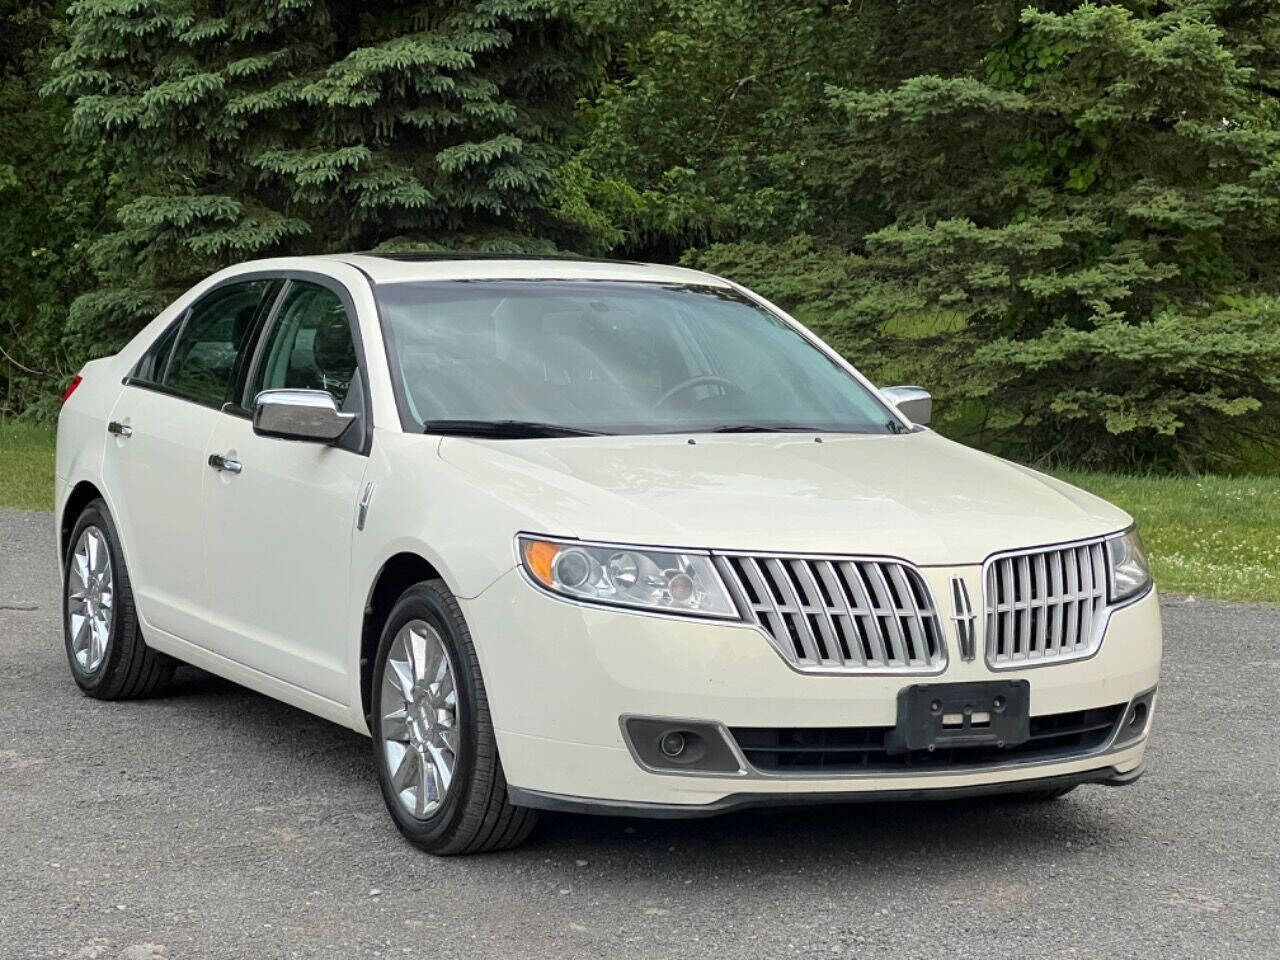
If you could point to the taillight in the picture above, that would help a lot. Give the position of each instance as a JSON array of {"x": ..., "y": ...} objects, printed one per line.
[{"x": 71, "y": 387}]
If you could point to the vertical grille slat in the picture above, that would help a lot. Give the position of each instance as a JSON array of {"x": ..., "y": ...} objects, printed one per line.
[
  {"x": 870, "y": 626},
  {"x": 840, "y": 614},
  {"x": 886, "y": 613},
  {"x": 804, "y": 576},
  {"x": 1045, "y": 604},
  {"x": 836, "y": 590},
  {"x": 1024, "y": 634},
  {"x": 792, "y": 608},
  {"x": 918, "y": 651},
  {"x": 1006, "y": 576},
  {"x": 1042, "y": 593}
]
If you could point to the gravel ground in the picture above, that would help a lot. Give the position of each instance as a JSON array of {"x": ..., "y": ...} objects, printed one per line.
[{"x": 217, "y": 823}]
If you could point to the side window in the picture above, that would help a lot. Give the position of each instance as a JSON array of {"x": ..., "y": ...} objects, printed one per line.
[
  {"x": 203, "y": 362},
  {"x": 150, "y": 368},
  {"x": 310, "y": 347}
]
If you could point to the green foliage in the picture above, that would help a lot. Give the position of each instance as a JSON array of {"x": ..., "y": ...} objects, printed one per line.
[
  {"x": 1063, "y": 217},
  {"x": 299, "y": 127},
  {"x": 50, "y": 200},
  {"x": 27, "y": 466},
  {"x": 1084, "y": 208},
  {"x": 1208, "y": 536}
]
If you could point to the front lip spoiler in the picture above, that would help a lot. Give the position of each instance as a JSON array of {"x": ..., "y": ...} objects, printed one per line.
[{"x": 559, "y": 803}]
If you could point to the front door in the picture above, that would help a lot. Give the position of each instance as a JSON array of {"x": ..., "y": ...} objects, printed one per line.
[
  {"x": 278, "y": 531},
  {"x": 154, "y": 461}
]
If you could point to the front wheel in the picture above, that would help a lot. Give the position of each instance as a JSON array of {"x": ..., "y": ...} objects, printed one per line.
[{"x": 434, "y": 746}]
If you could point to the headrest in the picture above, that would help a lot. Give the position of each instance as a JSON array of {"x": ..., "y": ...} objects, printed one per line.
[{"x": 334, "y": 352}]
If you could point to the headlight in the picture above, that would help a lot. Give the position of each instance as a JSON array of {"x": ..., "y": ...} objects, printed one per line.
[
  {"x": 1127, "y": 560},
  {"x": 666, "y": 581}
]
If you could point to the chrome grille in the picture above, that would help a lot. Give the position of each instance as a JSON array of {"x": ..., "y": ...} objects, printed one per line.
[
  {"x": 1045, "y": 605},
  {"x": 840, "y": 614}
]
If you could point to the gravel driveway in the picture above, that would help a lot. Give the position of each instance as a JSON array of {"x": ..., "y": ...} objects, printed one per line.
[{"x": 217, "y": 823}]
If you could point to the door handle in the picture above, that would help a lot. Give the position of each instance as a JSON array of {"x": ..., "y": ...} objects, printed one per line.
[
  {"x": 219, "y": 462},
  {"x": 122, "y": 430}
]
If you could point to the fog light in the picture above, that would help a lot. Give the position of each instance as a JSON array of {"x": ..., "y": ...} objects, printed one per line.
[
  {"x": 672, "y": 744},
  {"x": 666, "y": 745},
  {"x": 1138, "y": 715}
]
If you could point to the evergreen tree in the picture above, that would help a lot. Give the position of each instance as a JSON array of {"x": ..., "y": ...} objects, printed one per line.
[
  {"x": 240, "y": 130},
  {"x": 1061, "y": 216},
  {"x": 50, "y": 202}
]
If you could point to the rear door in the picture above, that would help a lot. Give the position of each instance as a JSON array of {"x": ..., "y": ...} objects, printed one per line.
[
  {"x": 154, "y": 462},
  {"x": 278, "y": 530}
]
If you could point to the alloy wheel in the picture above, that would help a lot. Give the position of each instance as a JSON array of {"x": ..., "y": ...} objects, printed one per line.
[
  {"x": 420, "y": 729},
  {"x": 90, "y": 596}
]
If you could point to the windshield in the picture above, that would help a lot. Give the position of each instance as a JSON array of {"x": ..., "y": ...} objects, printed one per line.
[{"x": 609, "y": 357}]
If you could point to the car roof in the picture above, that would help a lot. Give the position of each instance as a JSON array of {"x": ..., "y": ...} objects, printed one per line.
[{"x": 407, "y": 267}]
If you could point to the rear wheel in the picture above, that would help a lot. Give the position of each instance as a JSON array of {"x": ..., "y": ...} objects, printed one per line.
[
  {"x": 434, "y": 746},
  {"x": 108, "y": 657}
]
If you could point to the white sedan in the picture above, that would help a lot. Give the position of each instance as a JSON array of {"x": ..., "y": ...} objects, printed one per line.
[{"x": 588, "y": 536}]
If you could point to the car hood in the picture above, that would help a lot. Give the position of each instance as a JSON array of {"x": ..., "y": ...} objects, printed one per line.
[{"x": 917, "y": 496}]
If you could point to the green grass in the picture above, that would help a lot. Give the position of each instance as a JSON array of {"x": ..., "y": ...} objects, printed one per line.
[
  {"x": 26, "y": 466},
  {"x": 1209, "y": 536}
]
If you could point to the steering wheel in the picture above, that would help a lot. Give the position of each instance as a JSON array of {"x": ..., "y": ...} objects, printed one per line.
[{"x": 699, "y": 381}]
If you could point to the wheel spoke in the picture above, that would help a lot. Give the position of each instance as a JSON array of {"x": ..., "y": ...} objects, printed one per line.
[
  {"x": 443, "y": 768},
  {"x": 417, "y": 644},
  {"x": 440, "y": 668},
  {"x": 93, "y": 546},
  {"x": 445, "y": 693},
  {"x": 450, "y": 738},
  {"x": 403, "y": 677},
  {"x": 406, "y": 773},
  {"x": 80, "y": 566},
  {"x": 98, "y": 643},
  {"x": 79, "y": 630},
  {"x": 428, "y": 790},
  {"x": 395, "y": 725}
]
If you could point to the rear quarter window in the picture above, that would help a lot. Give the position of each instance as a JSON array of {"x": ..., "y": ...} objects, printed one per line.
[{"x": 196, "y": 358}]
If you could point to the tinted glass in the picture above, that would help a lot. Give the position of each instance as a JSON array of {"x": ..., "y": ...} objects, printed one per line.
[
  {"x": 615, "y": 357},
  {"x": 309, "y": 347},
  {"x": 152, "y": 365},
  {"x": 203, "y": 363}
]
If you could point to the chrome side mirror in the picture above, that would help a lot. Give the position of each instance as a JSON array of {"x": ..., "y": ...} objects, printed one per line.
[
  {"x": 299, "y": 415},
  {"x": 914, "y": 403}
]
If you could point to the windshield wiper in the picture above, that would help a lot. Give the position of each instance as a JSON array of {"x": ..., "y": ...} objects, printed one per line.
[
  {"x": 759, "y": 428},
  {"x": 504, "y": 429}
]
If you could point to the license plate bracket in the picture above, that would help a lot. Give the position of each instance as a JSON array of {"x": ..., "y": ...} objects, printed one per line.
[{"x": 982, "y": 713}]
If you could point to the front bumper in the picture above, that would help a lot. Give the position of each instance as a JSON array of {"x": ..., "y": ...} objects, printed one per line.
[
  {"x": 558, "y": 803},
  {"x": 560, "y": 675}
]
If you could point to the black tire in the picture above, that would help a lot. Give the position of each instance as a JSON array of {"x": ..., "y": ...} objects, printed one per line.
[
  {"x": 129, "y": 668},
  {"x": 475, "y": 816}
]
